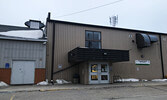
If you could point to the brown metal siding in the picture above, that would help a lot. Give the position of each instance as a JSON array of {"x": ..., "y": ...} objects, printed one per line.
[
  {"x": 5, "y": 75},
  {"x": 49, "y": 50},
  {"x": 129, "y": 69},
  {"x": 70, "y": 36},
  {"x": 61, "y": 50},
  {"x": 84, "y": 73},
  {"x": 39, "y": 75},
  {"x": 66, "y": 38},
  {"x": 164, "y": 53}
]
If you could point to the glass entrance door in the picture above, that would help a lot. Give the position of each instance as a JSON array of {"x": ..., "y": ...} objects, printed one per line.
[{"x": 98, "y": 73}]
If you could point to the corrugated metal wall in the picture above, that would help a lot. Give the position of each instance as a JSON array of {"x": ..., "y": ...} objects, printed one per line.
[
  {"x": 70, "y": 36},
  {"x": 49, "y": 29},
  {"x": 164, "y": 53},
  {"x": 22, "y": 50},
  {"x": 129, "y": 69}
]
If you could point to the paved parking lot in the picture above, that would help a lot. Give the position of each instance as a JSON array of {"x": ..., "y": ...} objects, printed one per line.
[{"x": 127, "y": 92}]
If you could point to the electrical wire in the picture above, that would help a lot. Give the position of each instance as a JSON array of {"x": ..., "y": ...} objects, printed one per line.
[{"x": 90, "y": 9}]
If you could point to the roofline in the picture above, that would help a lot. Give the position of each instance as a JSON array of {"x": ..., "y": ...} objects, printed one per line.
[
  {"x": 18, "y": 27},
  {"x": 99, "y": 26},
  {"x": 23, "y": 39},
  {"x": 34, "y": 20}
]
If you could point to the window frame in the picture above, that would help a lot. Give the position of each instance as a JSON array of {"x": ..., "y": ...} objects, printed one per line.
[{"x": 89, "y": 40}]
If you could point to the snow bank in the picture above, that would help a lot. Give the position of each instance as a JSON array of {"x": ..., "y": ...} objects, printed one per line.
[
  {"x": 128, "y": 80},
  {"x": 35, "y": 34},
  {"x": 144, "y": 80},
  {"x": 43, "y": 83},
  {"x": 159, "y": 80},
  {"x": 61, "y": 81},
  {"x": 3, "y": 84}
]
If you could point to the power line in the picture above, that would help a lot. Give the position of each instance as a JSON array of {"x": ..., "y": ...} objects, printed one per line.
[{"x": 90, "y": 9}]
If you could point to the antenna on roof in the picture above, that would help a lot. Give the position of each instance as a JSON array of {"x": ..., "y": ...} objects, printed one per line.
[{"x": 113, "y": 20}]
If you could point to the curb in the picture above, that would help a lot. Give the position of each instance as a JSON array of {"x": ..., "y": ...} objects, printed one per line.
[
  {"x": 40, "y": 90},
  {"x": 14, "y": 91},
  {"x": 44, "y": 90},
  {"x": 81, "y": 88}
]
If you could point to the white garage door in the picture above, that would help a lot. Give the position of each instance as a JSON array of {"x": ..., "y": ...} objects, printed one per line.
[{"x": 23, "y": 72}]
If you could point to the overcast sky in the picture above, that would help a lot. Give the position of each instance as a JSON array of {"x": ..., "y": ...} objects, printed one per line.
[{"x": 150, "y": 15}]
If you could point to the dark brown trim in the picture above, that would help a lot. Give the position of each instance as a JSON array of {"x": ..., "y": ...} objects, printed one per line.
[
  {"x": 106, "y": 27},
  {"x": 162, "y": 63}
]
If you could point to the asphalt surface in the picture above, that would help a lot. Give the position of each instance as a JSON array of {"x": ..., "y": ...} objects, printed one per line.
[{"x": 100, "y": 92}]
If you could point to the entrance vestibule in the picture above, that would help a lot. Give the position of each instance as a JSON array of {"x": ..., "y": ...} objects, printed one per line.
[{"x": 98, "y": 73}]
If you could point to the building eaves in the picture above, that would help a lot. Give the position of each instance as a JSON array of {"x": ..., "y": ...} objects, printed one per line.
[
  {"x": 5, "y": 28},
  {"x": 106, "y": 27},
  {"x": 22, "y": 39}
]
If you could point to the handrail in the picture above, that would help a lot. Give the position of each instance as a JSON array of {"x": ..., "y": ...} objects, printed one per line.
[{"x": 66, "y": 68}]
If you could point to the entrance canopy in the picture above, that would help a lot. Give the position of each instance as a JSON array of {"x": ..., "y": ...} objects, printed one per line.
[{"x": 92, "y": 54}]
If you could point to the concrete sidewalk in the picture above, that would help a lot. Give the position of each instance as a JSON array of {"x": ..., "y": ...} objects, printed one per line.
[{"x": 31, "y": 88}]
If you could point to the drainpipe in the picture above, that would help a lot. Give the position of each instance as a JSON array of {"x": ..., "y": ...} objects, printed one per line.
[
  {"x": 162, "y": 64},
  {"x": 53, "y": 48}
]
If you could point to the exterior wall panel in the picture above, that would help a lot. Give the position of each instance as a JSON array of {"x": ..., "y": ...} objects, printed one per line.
[
  {"x": 164, "y": 53},
  {"x": 5, "y": 75},
  {"x": 39, "y": 75},
  {"x": 65, "y": 40},
  {"x": 129, "y": 69},
  {"x": 20, "y": 50},
  {"x": 49, "y": 50},
  {"x": 84, "y": 73},
  {"x": 70, "y": 36}
]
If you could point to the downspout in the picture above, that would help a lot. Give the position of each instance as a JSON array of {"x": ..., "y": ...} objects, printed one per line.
[
  {"x": 53, "y": 48},
  {"x": 162, "y": 63}
]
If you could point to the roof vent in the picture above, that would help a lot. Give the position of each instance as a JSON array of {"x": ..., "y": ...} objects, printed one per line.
[
  {"x": 144, "y": 40},
  {"x": 153, "y": 38},
  {"x": 34, "y": 24}
]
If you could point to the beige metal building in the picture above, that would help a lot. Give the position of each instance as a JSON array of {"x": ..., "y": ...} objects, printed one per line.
[{"x": 98, "y": 54}]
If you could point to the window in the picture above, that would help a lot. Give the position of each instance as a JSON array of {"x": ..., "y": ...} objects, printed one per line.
[
  {"x": 94, "y": 77},
  {"x": 94, "y": 68},
  {"x": 103, "y": 67},
  {"x": 104, "y": 77},
  {"x": 93, "y": 39}
]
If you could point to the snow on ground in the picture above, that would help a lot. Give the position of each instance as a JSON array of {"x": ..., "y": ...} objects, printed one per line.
[
  {"x": 128, "y": 80},
  {"x": 61, "y": 81},
  {"x": 3, "y": 83},
  {"x": 137, "y": 80},
  {"x": 35, "y": 34},
  {"x": 144, "y": 80},
  {"x": 159, "y": 80},
  {"x": 43, "y": 83}
]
